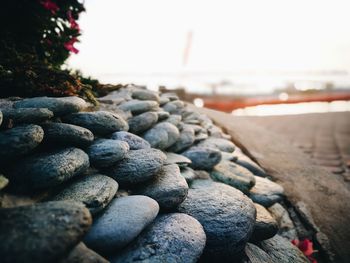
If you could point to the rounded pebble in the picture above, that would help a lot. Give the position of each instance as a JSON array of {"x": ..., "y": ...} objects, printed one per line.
[
  {"x": 203, "y": 158},
  {"x": 142, "y": 122},
  {"x": 135, "y": 142}
]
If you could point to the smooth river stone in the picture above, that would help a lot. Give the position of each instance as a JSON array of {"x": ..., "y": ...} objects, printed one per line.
[
  {"x": 168, "y": 187},
  {"x": 26, "y": 115},
  {"x": 174, "y": 119},
  {"x": 43, "y": 232},
  {"x": 246, "y": 162},
  {"x": 227, "y": 215},
  {"x": 49, "y": 169},
  {"x": 162, "y": 135},
  {"x": 282, "y": 250},
  {"x": 59, "y": 106},
  {"x": 203, "y": 158},
  {"x": 19, "y": 141},
  {"x": 82, "y": 254},
  {"x": 257, "y": 255},
  {"x": 173, "y": 106},
  {"x": 67, "y": 134},
  {"x": 188, "y": 174},
  {"x": 138, "y": 166},
  {"x": 266, "y": 192},
  {"x": 163, "y": 115},
  {"x": 99, "y": 122},
  {"x": 178, "y": 159},
  {"x": 106, "y": 152},
  {"x": 185, "y": 140},
  {"x": 142, "y": 122},
  {"x": 139, "y": 106},
  {"x": 94, "y": 191},
  {"x": 170, "y": 238},
  {"x": 232, "y": 174},
  {"x": 218, "y": 143},
  {"x": 135, "y": 142},
  {"x": 122, "y": 221},
  {"x": 144, "y": 94},
  {"x": 265, "y": 226}
]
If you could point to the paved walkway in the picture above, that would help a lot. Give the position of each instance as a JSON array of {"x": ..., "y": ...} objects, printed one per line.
[{"x": 325, "y": 137}]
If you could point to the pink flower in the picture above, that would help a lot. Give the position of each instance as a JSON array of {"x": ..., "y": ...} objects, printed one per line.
[
  {"x": 72, "y": 21},
  {"x": 306, "y": 247},
  {"x": 49, "y": 5},
  {"x": 69, "y": 45}
]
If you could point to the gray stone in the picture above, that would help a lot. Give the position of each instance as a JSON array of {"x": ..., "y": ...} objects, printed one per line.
[
  {"x": 94, "y": 191},
  {"x": 67, "y": 134},
  {"x": 26, "y": 115},
  {"x": 227, "y": 216},
  {"x": 49, "y": 169},
  {"x": 282, "y": 250},
  {"x": 138, "y": 166},
  {"x": 178, "y": 159},
  {"x": 105, "y": 153},
  {"x": 203, "y": 158},
  {"x": 257, "y": 255},
  {"x": 265, "y": 226},
  {"x": 286, "y": 226},
  {"x": 246, "y": 162},
  {"x": 185, "y": 140},
  {"x": 144, "y": 94},
  {"x": 173, "y": 106},
  {"x": 163, "y": 115},
  {"x": 229, "y": 157},
  {"x": 266, "y": 192},
  {"x": 174, "y": 119},
  {"x": 142, "y": 122},
  {"x": 1, "y": 116},
  {"x": 43, "y": 232},
  {"x": 188, "y": 174},
  {"x": 122, "y": 221},
  {"x": 59, "y": 106},
  {"x": 19, "y": 140},
  {"x": 162, "y": 135},
  {"x": 170, "y": 95},
  {"x": 171, "y": 238},
  {"x": 135, "y": 142},
  {"x": 202, "y": 183},
  {"x": 218, "y": 143},
  {"x": 200, "y": 137},
  {"x": 163, "y": 100},
  {"x": 232, "y": 174},
  {"x": 139, "y": 106},
  {"x": 168, "y": 187},
  {"x": 99, "y": 122},
  {"x": 82, "y": 254}
]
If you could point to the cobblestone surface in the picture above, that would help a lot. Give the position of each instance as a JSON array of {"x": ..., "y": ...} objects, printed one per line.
[{"x": 325, "y": 137}]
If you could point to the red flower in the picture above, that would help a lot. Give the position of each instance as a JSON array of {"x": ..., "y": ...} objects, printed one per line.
[
  {"x": 306, "y": 247},
  {"x": 69, "y": 45},
  {"x": 49, "y": 5},
  {"x": 72, "y": 21}
]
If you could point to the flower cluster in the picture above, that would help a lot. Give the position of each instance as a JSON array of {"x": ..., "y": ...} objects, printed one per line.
[{"x": 306, "y": 247}]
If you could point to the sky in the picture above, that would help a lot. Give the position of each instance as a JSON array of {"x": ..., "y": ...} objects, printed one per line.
[{"x": 147, "y": 36}]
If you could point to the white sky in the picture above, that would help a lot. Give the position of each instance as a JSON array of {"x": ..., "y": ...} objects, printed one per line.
[{"x": 145, "y": 36}]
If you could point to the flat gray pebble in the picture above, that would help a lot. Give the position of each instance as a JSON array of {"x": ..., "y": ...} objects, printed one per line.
[
  {"x": 227, "y": 216},
  {"x": 171, "y": 238},
  {"x": 122, "y": 221},
  {"x": 162, "y": 135},
  {"x": 26, "y": 115},
  {"x": 266, "y": 192},
  {"x": 144, "y": 94},
  {"x": 185, "y": 140},
  {"x": 142, "y": 122},
  {"x": 59, "y": 106},
  {"x": 203, "y": 158},
  {"x": 180, "y": 160},
  {"x": 265, "y": 226},
  {"x": 188, "y": 174},
  {"x": 257, "y": 255},
  {"x": 135, "y": 142},
  {"x": 139, "y": 106},
  {"x": 99, "y": 122},
  {"x": 163, "y": 115},
  {"x": 218, "y": 143},
  {"x": 94, "y": 191}
]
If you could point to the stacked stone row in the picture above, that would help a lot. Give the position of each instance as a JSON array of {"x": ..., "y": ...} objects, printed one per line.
[{"x": 142, "y": 179}]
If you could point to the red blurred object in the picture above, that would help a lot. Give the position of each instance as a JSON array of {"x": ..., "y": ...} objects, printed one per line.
[
  {"x": 49, "y": 5},
  {"x": 70, "y": 45},
  {"x": 306, "y": 247}
]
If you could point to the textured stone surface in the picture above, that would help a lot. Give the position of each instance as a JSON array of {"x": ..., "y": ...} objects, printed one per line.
[
  {"x": 67, "y": 134},
  {"x": 188, "y": 174},
  {"x": 174, "y": 119},
  {"x": 178, "y": 159},
  {"x": 285, "y": 223},
  {"x": 99, "y": 122},
  {"x": 82, "y": 254},
  {"x": 162, "y": 135},
  {"x": 203, "y": 158},
  {"x": 49, "y": 169},
  {"x": 232, "y": 174},
  {"x": 142, "y": 122},
  {"x": 282, "y": 250},
  {"x": 26, "y": 115},
  {"x": 265, "y": 226},
  {"x": 218, "y": 143},
  {"x": 94, "y": 191},
  {"x": 122, "y": 221},
  {"x": 168, "y": 187},
  {"x": 185, "y": 140},
  {"x": 139, "y": 106},
  {"x": 171, "y": 238},
  {"x": 227, "y": 216},
  {"x": 135, "y": 142},
  {"x": 266, "y": 192},
  {"x": 19, "y": 141},
  {"x": 144, "y": 94},
  {"x": 162, "y": 115},
  {"x": 59, "y": 106},
  {"x": 257, "y": 255},
  {"x": 173, "y": 106},
  {"x": 138, "y": 166},
  {"x": 105, "y": 152},
  {"x": 44, "y": 232}
]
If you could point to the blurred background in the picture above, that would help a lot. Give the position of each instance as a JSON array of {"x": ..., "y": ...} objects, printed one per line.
[{"x": 246, "y": 57}]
